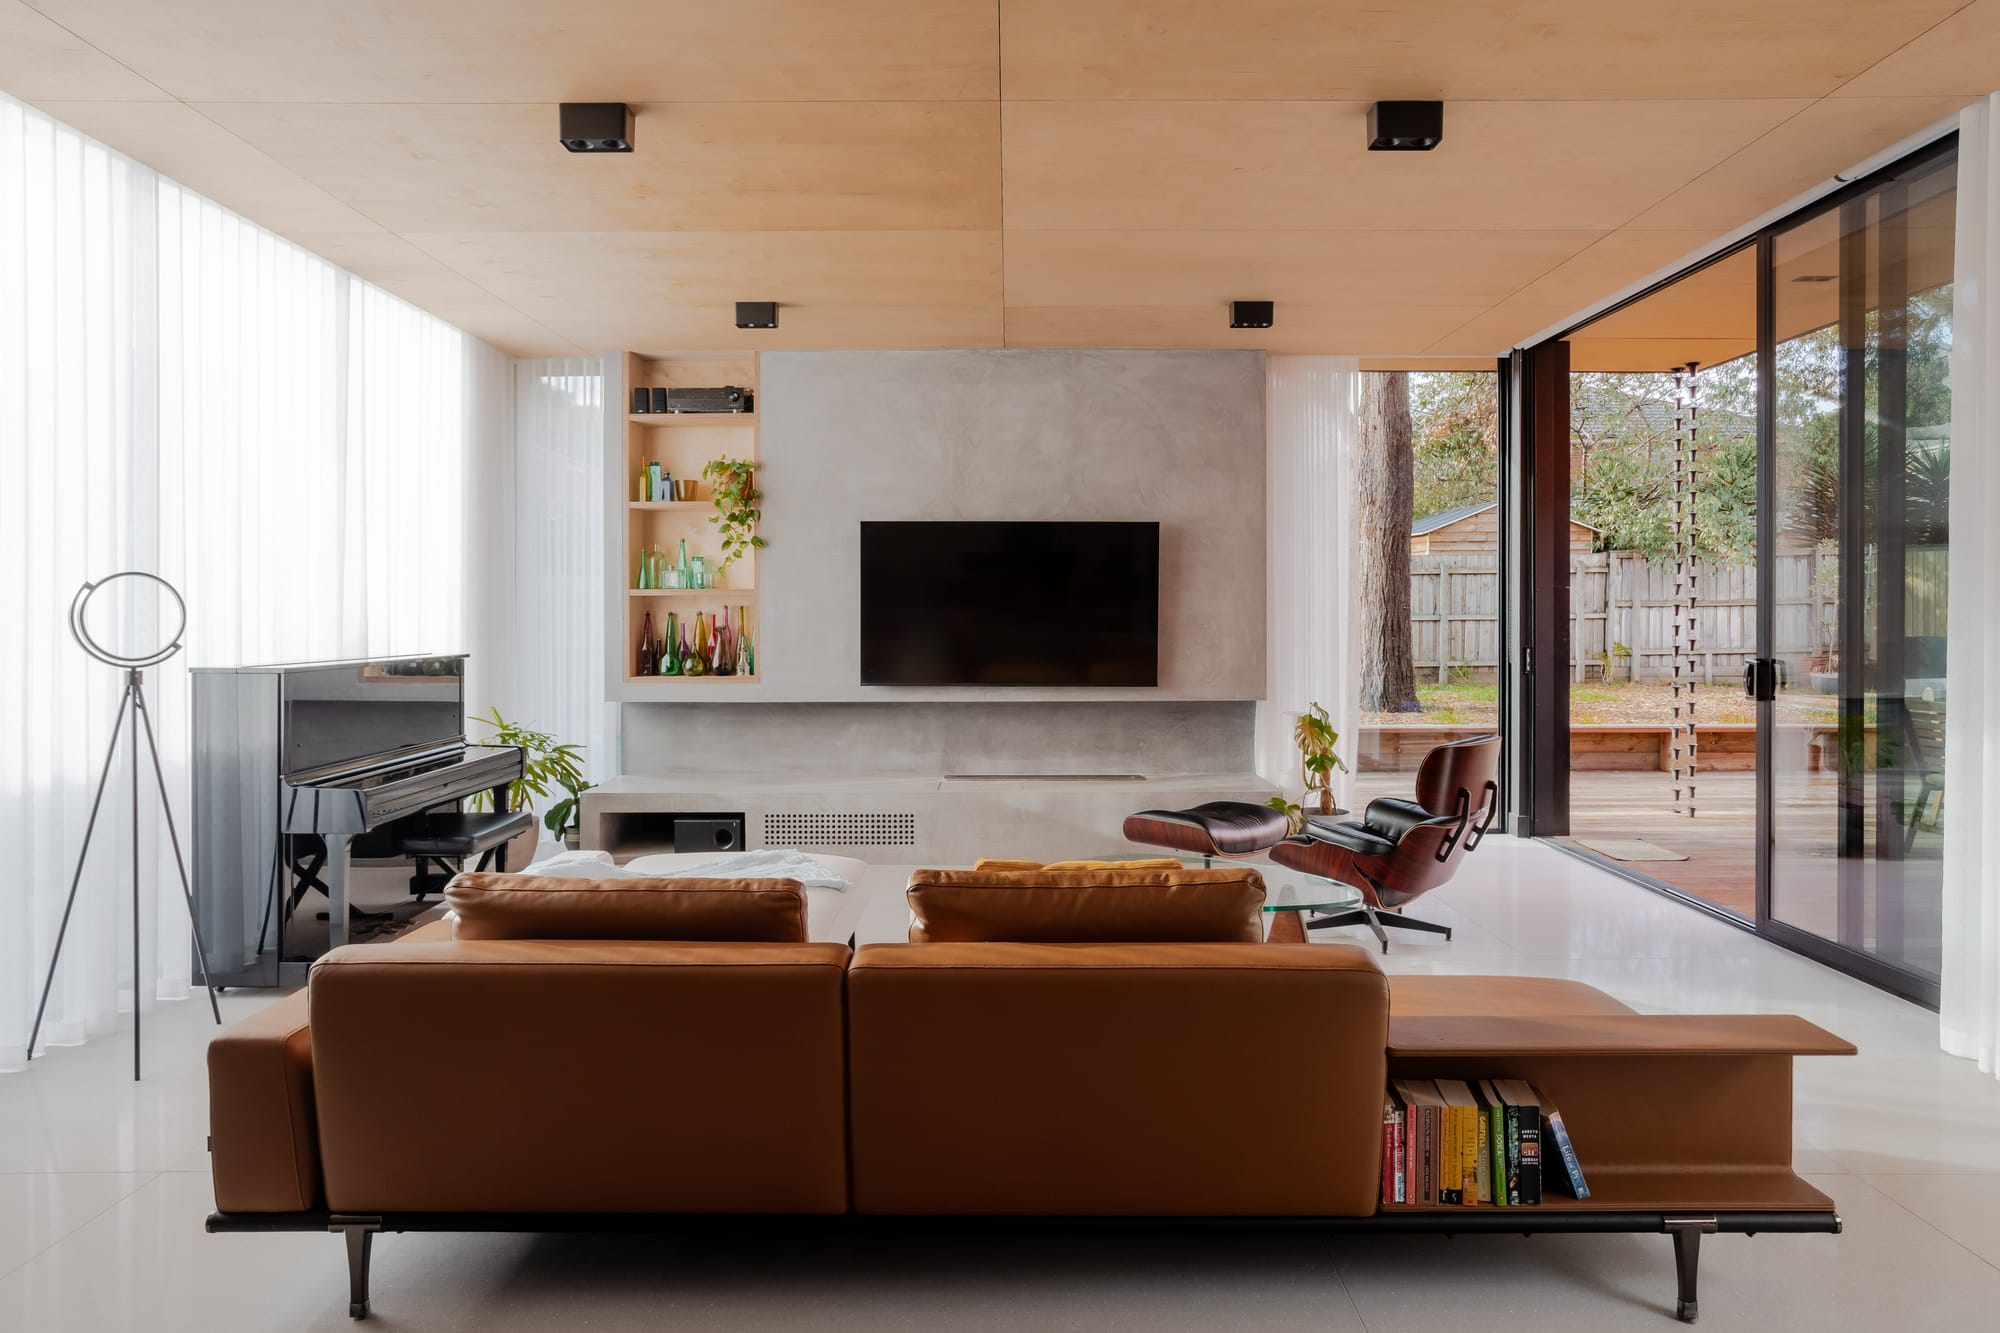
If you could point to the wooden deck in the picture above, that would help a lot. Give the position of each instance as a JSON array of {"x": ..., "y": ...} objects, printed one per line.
[
  {"x": 1898, "y": 914},
  {"x": 1719, "y": 840}
]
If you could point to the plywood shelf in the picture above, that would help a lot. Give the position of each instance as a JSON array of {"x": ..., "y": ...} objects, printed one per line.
[
  {"x": 1695, "y": 1188},
  {"x": 692, "y": 418},
  {"x": 682, "y": 444}
]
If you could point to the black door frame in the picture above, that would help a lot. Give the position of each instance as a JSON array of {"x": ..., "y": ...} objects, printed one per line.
[{"x": 1538, "y": 725}]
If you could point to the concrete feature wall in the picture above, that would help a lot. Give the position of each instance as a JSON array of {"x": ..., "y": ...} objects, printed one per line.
[
  {"x": 1174, "y": 437},
  {"x": 784, "y": 741}
]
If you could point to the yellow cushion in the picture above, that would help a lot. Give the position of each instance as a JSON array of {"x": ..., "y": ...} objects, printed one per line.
[{"x": 1145, "y": 863}]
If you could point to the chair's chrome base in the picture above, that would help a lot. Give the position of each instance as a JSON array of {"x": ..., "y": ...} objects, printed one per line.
[{"x": 1375, "y": 919}]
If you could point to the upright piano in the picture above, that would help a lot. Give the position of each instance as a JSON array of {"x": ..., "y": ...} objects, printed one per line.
[{"x": 298, "y": 769}]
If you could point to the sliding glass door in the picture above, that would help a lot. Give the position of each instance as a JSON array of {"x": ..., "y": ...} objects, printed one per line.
[
  {"x": 1758, "y": 461},
  {"x": 1860, "y": 452}
]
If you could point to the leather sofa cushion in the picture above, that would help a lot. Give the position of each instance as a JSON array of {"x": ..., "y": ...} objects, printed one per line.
[
  {"x": 581, "y": 1076},
  {"x": 537, "y": 907},
  {"x": 263, "y": 1132},
  {"x": 1178, "y": 906},
  {"x": 263, "y": 1143},
  {"x": 1118, "y": 1080}
]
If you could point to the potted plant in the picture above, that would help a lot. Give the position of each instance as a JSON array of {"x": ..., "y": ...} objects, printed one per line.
[
  {"x": 732, "y": 483},
  {"x": 1316, "y": 738},
  {"x": 547, "y": 767}
]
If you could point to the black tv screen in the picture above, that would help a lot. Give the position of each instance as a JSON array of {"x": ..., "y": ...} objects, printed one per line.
[{"x": 1010, "y": 604}]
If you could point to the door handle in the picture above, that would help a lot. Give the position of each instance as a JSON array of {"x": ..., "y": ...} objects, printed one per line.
[{"x": 1760, "y": 678}]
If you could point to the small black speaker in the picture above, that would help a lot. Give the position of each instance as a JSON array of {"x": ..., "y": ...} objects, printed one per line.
[
  {"x": 659, "y": 398},
  {"x": 1405, "y": 127},
  {"x": 1250, "y": 314},
  {"x": 756, "y": 314},
  {"x": 708, "y": 835},
  {"x": 596, "y": 127},
  {"x": 642, "y": 400}
]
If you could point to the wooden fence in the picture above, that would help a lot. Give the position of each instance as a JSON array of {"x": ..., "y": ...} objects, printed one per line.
[{"x": 1617, "y": 597}]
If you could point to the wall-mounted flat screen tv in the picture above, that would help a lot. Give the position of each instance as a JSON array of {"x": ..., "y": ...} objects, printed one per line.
[{"x": 1010, "y": 604}]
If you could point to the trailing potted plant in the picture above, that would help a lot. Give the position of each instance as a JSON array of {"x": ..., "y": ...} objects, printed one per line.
[
  {"x": 1316, "y": 738},
  {"x": 547, "y": 767},
  {"x": 732, "y": 484}
]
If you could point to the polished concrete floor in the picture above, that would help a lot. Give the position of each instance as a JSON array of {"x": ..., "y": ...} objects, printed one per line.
[{"x": 103, "y": 1190}]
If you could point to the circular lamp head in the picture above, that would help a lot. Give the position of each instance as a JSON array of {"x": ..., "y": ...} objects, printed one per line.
[{"x": 131, "y": 619}]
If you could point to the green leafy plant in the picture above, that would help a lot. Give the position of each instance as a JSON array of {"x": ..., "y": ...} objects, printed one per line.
[
  {"x": 1318, "y": 760},
  {"x": 547, "y": 767},
  {"x": 1294, "y": 813},
  {"x": 732, "y": 482}
]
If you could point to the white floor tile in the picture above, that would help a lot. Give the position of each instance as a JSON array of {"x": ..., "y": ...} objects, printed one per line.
[
  {"x": 1903, "y": 1137},
  {"x": 37, "y": 1209},
  {"x": 1961, "y": 1206}
]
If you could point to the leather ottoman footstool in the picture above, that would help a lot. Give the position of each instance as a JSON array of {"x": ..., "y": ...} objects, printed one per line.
[{"x": 1211, "y": 829}]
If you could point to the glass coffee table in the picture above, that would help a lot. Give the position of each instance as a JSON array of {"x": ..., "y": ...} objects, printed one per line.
[{"x": 1289, "y": 895}]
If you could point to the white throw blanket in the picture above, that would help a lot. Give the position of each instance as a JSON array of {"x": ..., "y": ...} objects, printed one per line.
[{"x": 771, "y": 864}]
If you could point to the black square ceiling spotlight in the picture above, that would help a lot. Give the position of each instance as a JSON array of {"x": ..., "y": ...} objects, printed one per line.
[
  {"x": 1405, "y": 127},
  {"x": 596, "y": 127},
  {"x": 756, "y": 314},
  {"x": 1250, "y": 314}
]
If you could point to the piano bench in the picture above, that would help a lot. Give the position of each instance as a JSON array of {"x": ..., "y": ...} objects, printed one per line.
[{"x": 449, "y": 838}]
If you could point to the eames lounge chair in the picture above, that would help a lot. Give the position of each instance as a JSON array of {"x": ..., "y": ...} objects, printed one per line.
[{"x": 1401, "y": 849}]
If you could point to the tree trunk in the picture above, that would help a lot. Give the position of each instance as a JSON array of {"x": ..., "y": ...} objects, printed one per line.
[{"x": 1384, "y": 479}]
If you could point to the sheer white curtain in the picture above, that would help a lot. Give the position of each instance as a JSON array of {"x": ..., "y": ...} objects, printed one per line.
[
  {"x": 1969, "y": 1012},
  {"x": 1311, "y": 425},
  {"x": 185, "y": 393},
  {"x": 558, "y": 640}
]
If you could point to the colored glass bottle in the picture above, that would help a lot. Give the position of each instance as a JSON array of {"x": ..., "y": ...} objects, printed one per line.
[
  {"x": 692, "y": 662},
  {"x": 687, "y": 573},
  {"x": 670, "y": 663},
  {"x": 725, "y": 649},
  {"x": 649, "y": 653}
]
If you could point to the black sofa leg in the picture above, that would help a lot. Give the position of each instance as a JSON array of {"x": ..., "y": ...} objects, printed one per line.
[
  {"x": 359, "y": 1233},
  {"x": 1687, "y": 1232}
]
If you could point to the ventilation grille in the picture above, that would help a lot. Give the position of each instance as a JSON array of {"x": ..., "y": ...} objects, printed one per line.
[{"x": 840, "y": 830}]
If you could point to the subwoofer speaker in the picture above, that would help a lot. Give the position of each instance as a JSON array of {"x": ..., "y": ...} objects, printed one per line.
[{"x": 708, "y": 835}]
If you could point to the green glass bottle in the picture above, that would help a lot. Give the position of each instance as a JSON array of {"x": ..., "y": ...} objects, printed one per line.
[{"x": 691, "y": 660}]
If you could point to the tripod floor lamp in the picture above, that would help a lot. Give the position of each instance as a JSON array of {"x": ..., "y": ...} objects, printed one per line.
[{"x": 132, "y": 718}]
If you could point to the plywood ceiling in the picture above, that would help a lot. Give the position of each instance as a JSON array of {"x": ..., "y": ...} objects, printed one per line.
[{"x": 977, "y": 173}]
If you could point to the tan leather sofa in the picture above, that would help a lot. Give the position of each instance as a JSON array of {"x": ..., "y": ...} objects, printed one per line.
[{"x": 1052, "y": 1043}]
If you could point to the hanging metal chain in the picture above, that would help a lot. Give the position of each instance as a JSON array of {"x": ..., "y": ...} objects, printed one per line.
[{"x": 1685, "y": 737}]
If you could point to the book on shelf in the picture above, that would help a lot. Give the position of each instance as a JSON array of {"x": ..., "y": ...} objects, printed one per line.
[
  {"x": 1565, "y": 1171},
  {"x": 1423, "y": 1128},
  {"x": 1492, "y": 1143},
  {"x": 1471, "y": 1142},
  {"x": 1525, "y": 1135},
  {"x": 1463, "y": 1113},
  {"x": 1394, "y": 1154}
]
